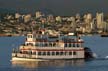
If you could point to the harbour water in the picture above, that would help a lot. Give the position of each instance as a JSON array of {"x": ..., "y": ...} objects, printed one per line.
[{"x": 98, "y": 44}]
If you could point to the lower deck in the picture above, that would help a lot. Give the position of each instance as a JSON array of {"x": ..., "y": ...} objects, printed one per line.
[{"x": 50, "y": 54}]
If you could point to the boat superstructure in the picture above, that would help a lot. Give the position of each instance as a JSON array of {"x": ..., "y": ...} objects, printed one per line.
[{"x": 41, "y": 47}]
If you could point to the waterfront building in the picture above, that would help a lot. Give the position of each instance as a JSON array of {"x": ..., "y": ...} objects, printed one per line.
[
  {"x": 38, "y": 14},
  {"x": 100, "y": 19},
  {"x": 58, "y": 19},
  {"x": 17, "y": 15},
  {"x": 27, "y": 18},
  {"x": 50, "y": 18},
  {"x": 88, "y": 22},
  {"x": 78, "y": 17}
]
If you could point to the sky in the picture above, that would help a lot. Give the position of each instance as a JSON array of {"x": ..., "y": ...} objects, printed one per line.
[{"x": 58, "y": 7}]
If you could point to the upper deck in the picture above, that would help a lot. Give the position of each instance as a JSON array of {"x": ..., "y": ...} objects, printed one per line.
[{"x": 44, "y": 42}]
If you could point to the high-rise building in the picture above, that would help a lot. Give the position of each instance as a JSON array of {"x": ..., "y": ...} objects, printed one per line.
[
  {"x": 99, "y": 18},
  {"x": 78, "y": 17},
  {"x": 38, "y": 14},
  {"x": 27, "y": 18},
  {"x": 88, "y": 22},
  {"x": 88, "y": 18},
  {"x": 50, "y": 18},
  {"x": 58, "y": 19},
  {"x": 17, "y": 15},
  {"x": 93, "y": 25}
]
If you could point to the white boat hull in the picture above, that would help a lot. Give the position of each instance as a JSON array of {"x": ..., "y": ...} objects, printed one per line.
[
  {"x": 40, "y": 59},
  {"x": 26, "y": 59}
]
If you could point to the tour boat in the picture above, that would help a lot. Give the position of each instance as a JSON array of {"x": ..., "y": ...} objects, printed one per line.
[{"x": 38, "y": 47}]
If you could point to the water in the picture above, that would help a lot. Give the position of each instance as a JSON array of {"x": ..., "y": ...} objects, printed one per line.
[{"x": 98, "y": 44}]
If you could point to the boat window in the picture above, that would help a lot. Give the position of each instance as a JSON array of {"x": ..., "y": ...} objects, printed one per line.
[
  {"x": 25, "y": 52},
  {"x": 61, "y": 53},
  {"x": 57, "y": 53},
  {"x": 50, "y": 44},
  {"x": 46, "y": 44},
  {"x": 43, "y": 44},
  {"x": 39, "y": 53},
  {"x": 44, "y": 53},
  {"x": 69, "y": 44},
  {"x": 66, "y": 53},
  {"x": 34, "y": 53},
  {"x": 77, "y": 44},
  {"x": 30, "y": 44},
  {"x": 65, "y": 44},
  {"x": 48, "y": 53},
  {"x": 70, "y": 53},
  {"x": 36, "y": 44},
  {"x": 54, "y": 44},
  {"x": 74, "y": 53},
  {"x": 30, "y": 52},
  {"x": 14, "y": 51},
  {"x": 73, "y": 44},
  {"x": 81, "y": 45},
  {"x": 53, "y": 53},
  {"x": 21, "y": 52},
  {"x": 29, "y": 36}
]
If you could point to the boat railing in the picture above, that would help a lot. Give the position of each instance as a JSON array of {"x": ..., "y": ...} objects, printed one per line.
[{"x": 21, "y": 55}]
